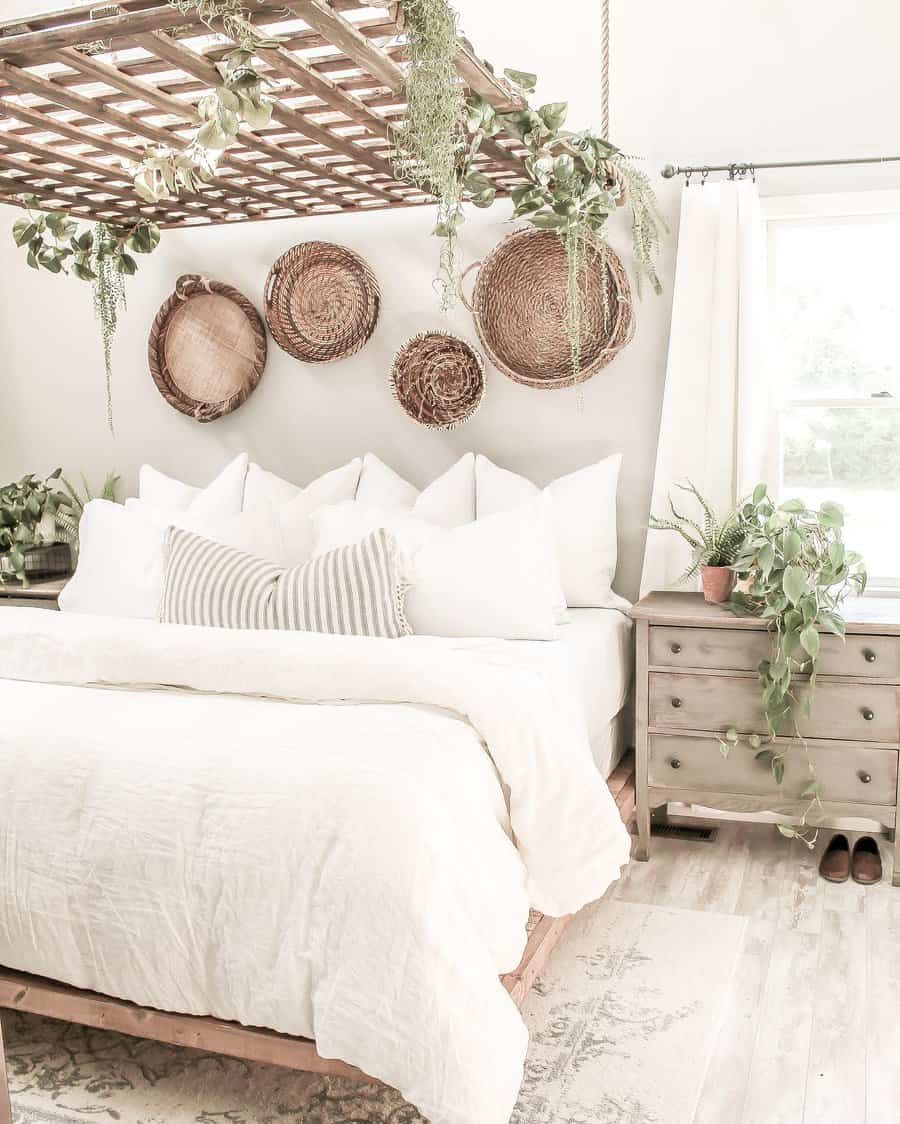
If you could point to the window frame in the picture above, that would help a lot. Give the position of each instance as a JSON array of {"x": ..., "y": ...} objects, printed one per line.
[{"x": 795, "y": 209}]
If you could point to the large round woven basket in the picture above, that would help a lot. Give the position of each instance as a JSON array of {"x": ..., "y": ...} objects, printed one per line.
[
  {"x": 207, "y": 348},
  {"x": 519, "y": 306},
  {"x": 322, "y": 302},
  {"x": 438, "y": 379}
]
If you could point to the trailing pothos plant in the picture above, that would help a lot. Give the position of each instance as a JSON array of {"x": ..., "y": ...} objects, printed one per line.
[
  {"x": 577, "y": 179},
  {"x": 102, "y": 255},
  {"x": 796, "y": 572},
  {"x": 24, "y": 507},
  {"x": 164, "y": 173}
]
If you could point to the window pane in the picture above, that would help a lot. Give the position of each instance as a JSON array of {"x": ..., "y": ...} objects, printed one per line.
[
  {"x": 836, "y": 306},
  {"x": 852, "y": 456}
]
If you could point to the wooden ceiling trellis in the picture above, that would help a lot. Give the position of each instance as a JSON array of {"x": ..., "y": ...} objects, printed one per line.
[{"x": 86, "y": 89}]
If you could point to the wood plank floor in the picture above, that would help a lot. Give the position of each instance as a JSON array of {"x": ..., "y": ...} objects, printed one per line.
[{"x": 811, "y": 1033}]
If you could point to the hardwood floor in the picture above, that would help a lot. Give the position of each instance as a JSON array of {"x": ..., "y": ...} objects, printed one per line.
[{"x": 811, "y": 1034}]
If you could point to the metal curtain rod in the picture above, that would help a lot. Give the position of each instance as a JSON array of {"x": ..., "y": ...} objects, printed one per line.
[{"x": 739, "y": 170}]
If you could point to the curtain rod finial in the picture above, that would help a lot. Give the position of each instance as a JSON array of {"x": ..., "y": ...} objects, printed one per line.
[{"x": 669, "y": 172}]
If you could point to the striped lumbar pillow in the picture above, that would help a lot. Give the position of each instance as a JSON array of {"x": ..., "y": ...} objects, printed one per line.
[{"x": 356, "y": 590}]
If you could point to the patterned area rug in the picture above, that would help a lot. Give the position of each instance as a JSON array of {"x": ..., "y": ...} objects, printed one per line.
[{"x": 622, "y": 1027}]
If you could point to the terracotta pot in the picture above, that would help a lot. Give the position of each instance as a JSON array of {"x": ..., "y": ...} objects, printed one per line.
[{"x": 718, "y": 582}]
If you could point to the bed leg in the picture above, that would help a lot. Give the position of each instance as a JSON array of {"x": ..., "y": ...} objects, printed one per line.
[{"x": 5, "y": 1106}]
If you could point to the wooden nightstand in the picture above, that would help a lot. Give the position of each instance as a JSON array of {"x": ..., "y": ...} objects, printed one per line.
[
  {"x": 38, "y": 595},
  {"x": 696, "y": 676}
]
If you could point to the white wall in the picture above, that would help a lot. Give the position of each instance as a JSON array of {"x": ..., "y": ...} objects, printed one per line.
[{"x": 703, "y": 81}]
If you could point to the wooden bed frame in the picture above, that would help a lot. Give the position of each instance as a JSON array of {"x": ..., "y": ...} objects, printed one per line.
[{"x": 37, "y": 996}]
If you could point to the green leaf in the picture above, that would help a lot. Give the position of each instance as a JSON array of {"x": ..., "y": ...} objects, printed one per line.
[
  {"x": 809, "y": 638},
  {"x": 759, "y": 493},
  {"x": 547, "y": 221},
  {"x": 724, "y": 748},
  {"x": 831, "y": 514},
  {"x": 794, "y": 583},
  {"x": 792, "y": 546},
  {"x": 786, "y": 830},
  {"x": 754, "y": 741},
  {"x": 525, "y": 80},
  {"x": 778, "y": 769},
  {"x": 792, "y": 507},
  {"x": 731, "y": 735},
  {"x": 23, "y": 231},
  {"x": 553, "y": 114}
]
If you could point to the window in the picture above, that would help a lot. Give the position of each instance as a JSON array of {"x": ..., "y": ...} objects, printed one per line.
[{"x": 834, "y": 312}]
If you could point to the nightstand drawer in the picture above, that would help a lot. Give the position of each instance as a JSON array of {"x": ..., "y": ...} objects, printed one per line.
[
  {"x": 732, "y": 649},
  {"x": 846, "y": 711},
  {"x": 860, "y": 776}
]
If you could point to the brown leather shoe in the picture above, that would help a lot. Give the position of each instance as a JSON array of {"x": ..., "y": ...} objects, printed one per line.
[
  {"x": 865, "y": 865},
  {"x": 835, "y": 864}
]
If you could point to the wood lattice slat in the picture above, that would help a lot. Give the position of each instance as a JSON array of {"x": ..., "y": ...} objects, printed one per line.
[{"x": 85, "y": 90}]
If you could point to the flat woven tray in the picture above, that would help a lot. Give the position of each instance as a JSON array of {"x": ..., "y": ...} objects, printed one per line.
[
  {"x": 519, "y": 305},
  {"x": 322, "y": 302},
  {"x": 438, "y": 379},
  {"x": 207, "y": 348}
]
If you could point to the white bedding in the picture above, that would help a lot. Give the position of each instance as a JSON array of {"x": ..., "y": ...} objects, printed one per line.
[{"x": 344, "y": 871}]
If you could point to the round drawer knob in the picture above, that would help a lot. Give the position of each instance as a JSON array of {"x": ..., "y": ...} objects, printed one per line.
[
  {"x": 675, "y": 763},
  {"x": 676, "y": 702},
  {"x": 869, "y": 655},
  {"x": 866, "y": 778},
  {"x": 676, "y": 648},
  {"x": 868, "y": 714}
]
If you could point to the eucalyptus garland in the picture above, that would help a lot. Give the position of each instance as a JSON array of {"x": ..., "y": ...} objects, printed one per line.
[
  {"x": 56, "y": 243},
  {"x": 164, "y": 173}
]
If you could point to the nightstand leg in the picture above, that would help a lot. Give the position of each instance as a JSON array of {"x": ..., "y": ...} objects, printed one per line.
[
  {"x": 5, "y": 1106},
  {"x": 895, "y": 880},
  {"x": 642, "y": 741}
]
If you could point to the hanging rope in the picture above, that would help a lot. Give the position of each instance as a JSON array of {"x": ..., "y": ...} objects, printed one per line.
[{"x": 604, "y": 80}]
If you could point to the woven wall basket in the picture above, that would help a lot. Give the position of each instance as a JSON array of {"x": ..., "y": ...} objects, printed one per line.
[
  {"x": 519, "y": 306},
  {"x": 438, "y": 379},
  {"x": 322, "y": 302},
  {"x": 207, "y": 348}
]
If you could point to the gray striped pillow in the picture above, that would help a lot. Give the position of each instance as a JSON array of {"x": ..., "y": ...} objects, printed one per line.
[{"x": 356, "y": 590}]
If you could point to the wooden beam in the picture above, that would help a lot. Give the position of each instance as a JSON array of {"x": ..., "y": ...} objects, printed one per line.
[
  {"x": 45, "y": 123},
  {"x": 479, "y": 79},
  {"x": 28, "y": 47},
  {"x": 287, "y": 65},
  {"x": 339, "y": 31}
]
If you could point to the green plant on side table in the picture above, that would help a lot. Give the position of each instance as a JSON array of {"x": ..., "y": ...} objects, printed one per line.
[
  {"x": 715, "y": 544},
  {"x": 27, "y": 521},
  {"x": 794, "y": 571}
]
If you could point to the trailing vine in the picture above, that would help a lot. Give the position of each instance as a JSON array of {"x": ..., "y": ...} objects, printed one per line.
[
  {"x": 797, "y": 572},
  {"x": 56, "y": 243}
]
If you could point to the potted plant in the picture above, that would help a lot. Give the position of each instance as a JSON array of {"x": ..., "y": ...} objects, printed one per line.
[
  {"x": 715, "y": 546},
  {"x": 28, "y": 510}
]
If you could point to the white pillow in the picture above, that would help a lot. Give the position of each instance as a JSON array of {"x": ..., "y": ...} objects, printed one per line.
[
  {"x": 294, "y": 505},
  {"x": 254, "y": 532},
  {"x": 584, "y": 520},
  {"x": 121, "y": 557},
  {"x": 223, "y": 496},
  {"x": 264, "y": 489},
  {"x": 494, "y": 577},
  {"x": 448, "y": 501}
]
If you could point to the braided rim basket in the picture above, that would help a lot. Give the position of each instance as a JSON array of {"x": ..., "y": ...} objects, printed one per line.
[
  {"x": 185, "y": 350},
  {"x": 321, "y": 302},
  {"x": 438, "y": 379},
  {"x": 519, "y": 306}
]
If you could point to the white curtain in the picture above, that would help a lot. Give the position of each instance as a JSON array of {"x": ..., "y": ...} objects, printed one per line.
[{"x": 716, "y": 403}]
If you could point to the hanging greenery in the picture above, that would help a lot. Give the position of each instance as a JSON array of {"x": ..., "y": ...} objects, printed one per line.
[
  {"x": 100, "y": 255},
  {"x": 576, "y": 179},
  {"x": 164, "y": 173}
]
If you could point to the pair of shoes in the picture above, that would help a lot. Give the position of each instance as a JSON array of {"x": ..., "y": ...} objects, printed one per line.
[{"x": 864, "y": 864}]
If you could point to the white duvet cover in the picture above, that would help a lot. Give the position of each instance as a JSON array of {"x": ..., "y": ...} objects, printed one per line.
[{"x": 358, "y": 871}]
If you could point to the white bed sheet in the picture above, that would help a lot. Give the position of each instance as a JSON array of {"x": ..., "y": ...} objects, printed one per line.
[{"x": 595, "y": 653}]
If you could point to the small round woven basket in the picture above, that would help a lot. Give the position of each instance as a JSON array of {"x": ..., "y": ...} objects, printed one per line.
[
  {"x": 207, "y": 348},
  {"x": 438, "y": 379},
  {"x": 519, "y": 305},
  {"x": 321, "y": 301}
]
